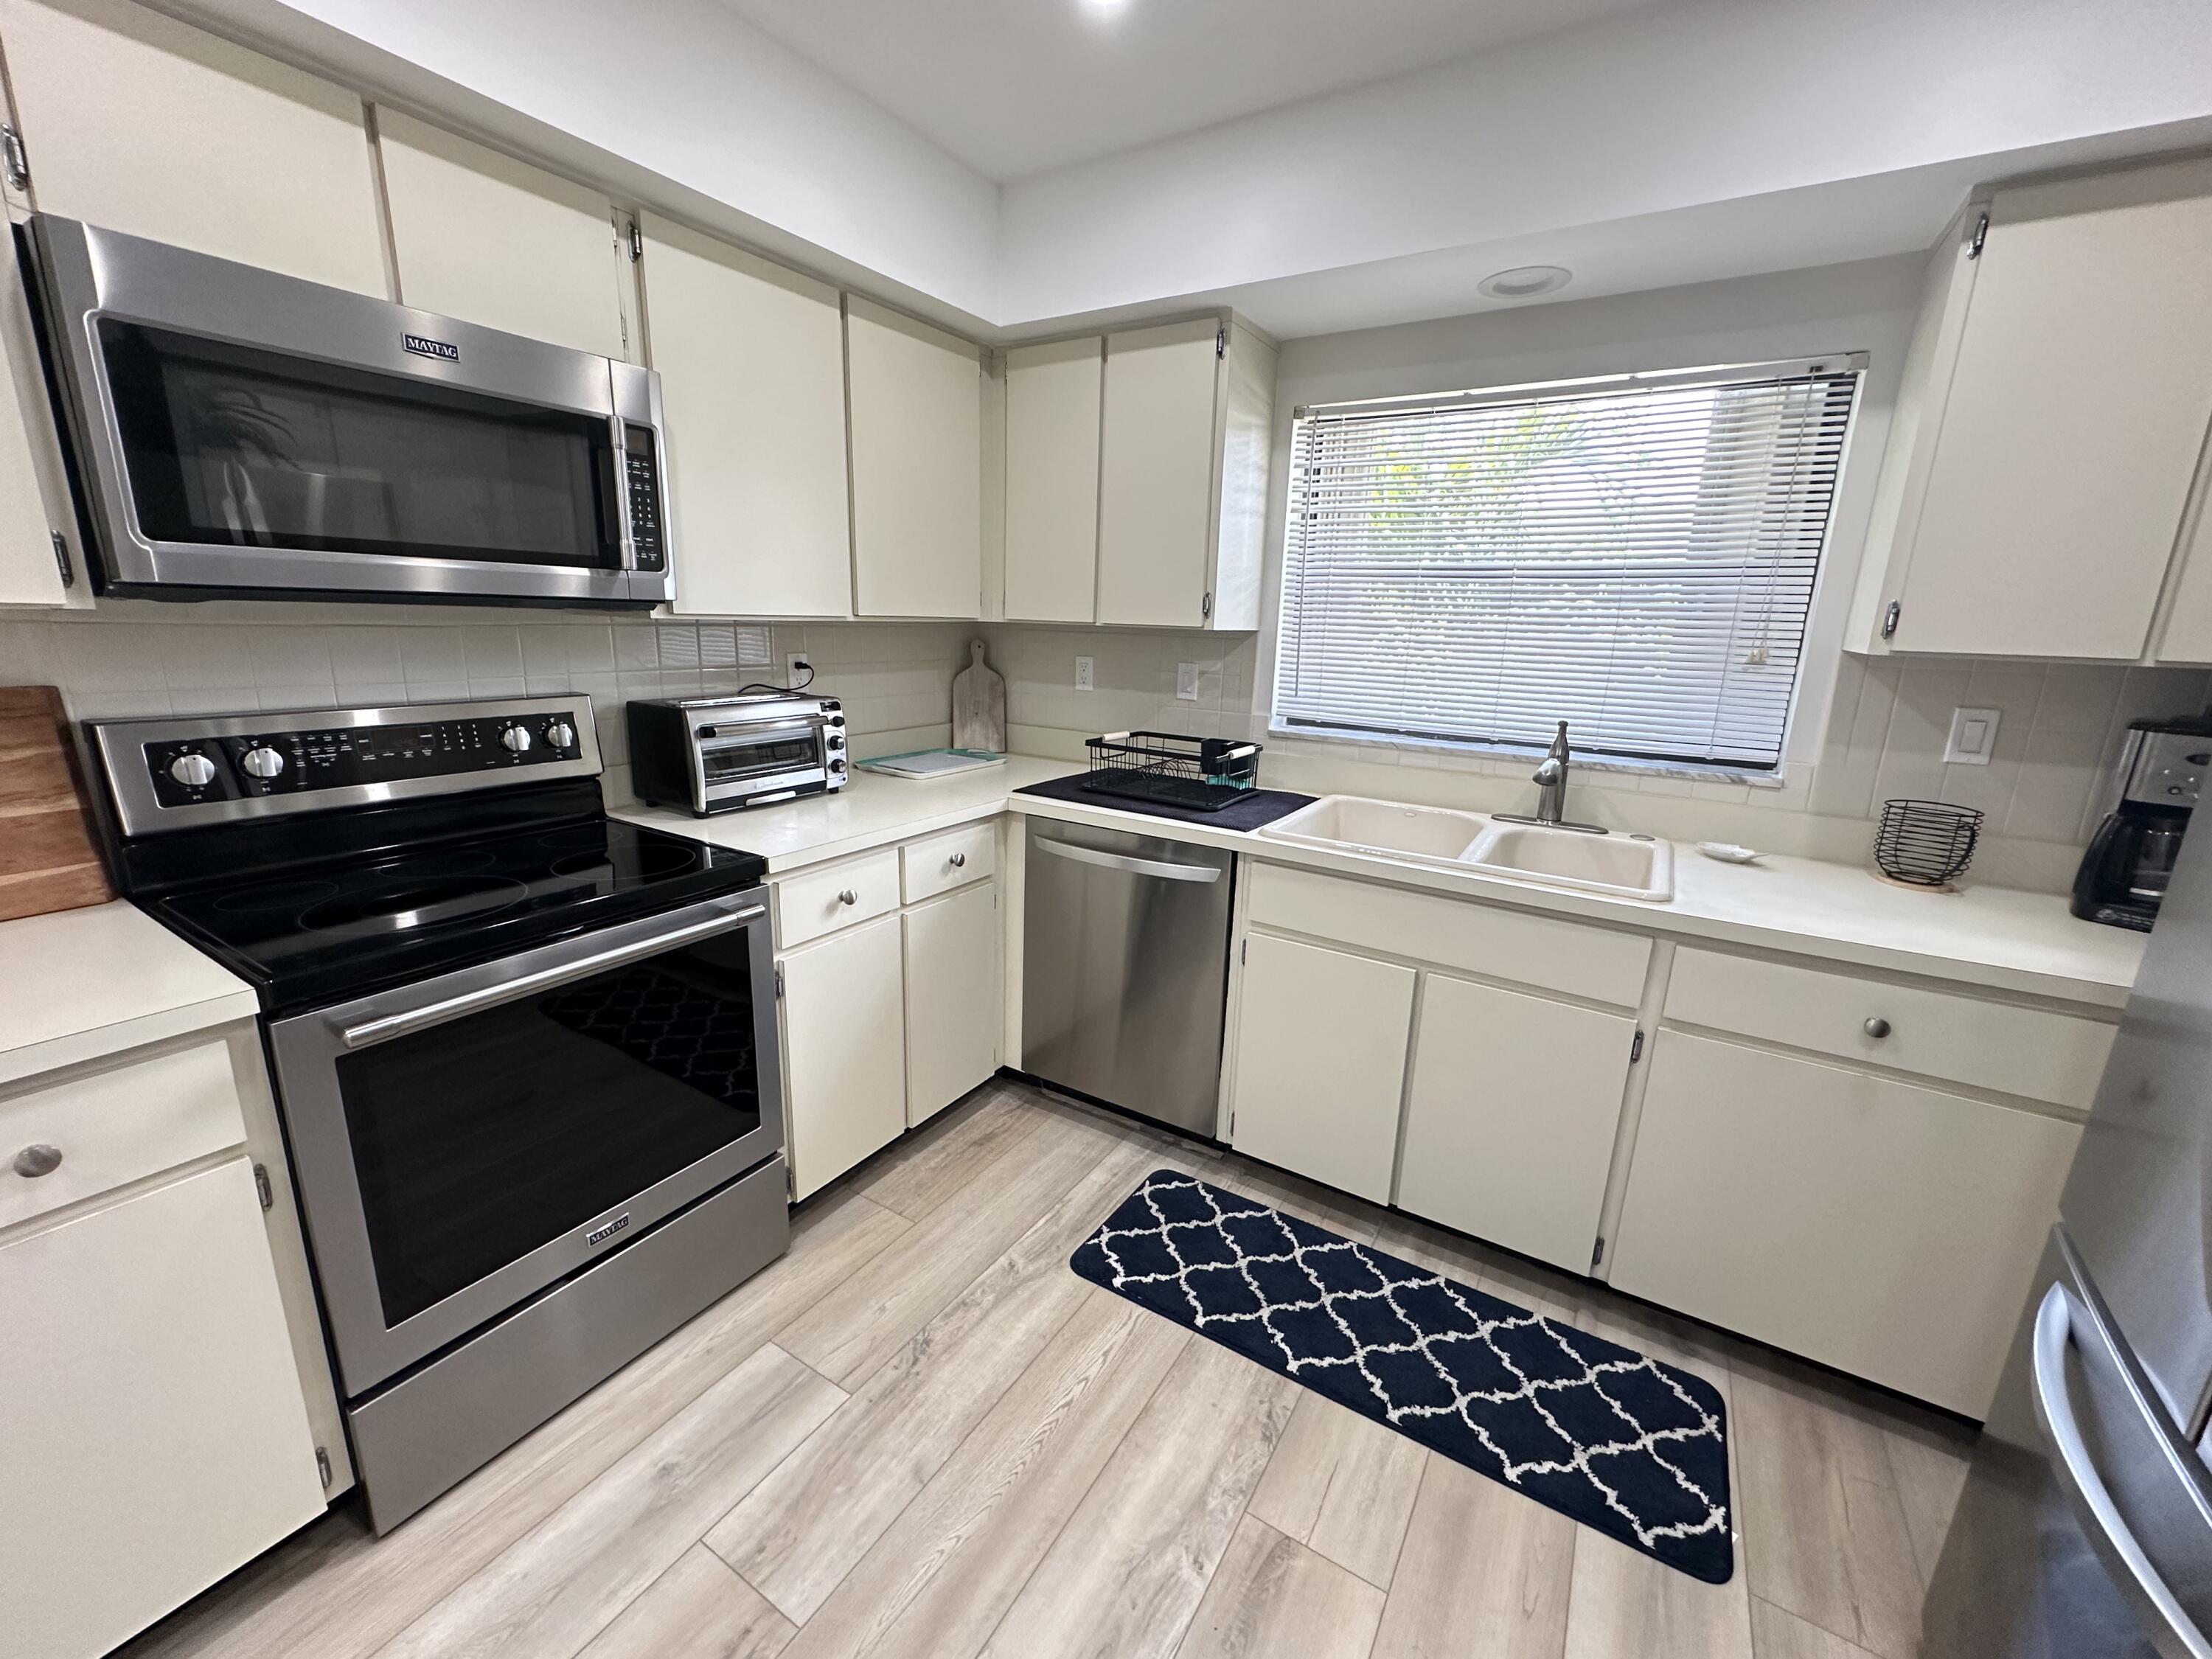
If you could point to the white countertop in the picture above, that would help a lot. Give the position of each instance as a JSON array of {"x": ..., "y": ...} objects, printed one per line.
[
  {"x": 1998, "y": 938},
  {"x": 84, "y": 983}
]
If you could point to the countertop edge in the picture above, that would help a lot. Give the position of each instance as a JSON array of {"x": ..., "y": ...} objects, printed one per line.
[{"x": 72, "y": 1048}]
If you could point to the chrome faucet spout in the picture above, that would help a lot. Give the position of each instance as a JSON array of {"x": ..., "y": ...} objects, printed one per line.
[{"x": 1550, "y": 779}]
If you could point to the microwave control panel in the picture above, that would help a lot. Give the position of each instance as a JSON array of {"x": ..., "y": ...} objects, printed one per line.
[
  {"x": 190, "y": 771},
  {"x": 641, "y": 479}
]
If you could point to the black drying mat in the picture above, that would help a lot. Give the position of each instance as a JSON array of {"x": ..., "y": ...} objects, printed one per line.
[
  {"x": 1599, "y": 1432},
  {"x": 1257, "y": 807}
]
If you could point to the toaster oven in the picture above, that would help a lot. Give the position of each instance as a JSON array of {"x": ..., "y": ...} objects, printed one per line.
[{"x": 707, "y": 754}]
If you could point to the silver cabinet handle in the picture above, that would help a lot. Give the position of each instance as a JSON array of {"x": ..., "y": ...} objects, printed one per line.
[
  {"x": 37, "y": 1159},
  {"x": 2107, "y": 1530},
  {"x": 1877, "y": 1028},
  {"x": 958, "y": 860},
  {"x": 514, "y": 990},
  {"x": 1127, "y": 865},
  {"x": 848, "y": 896}
]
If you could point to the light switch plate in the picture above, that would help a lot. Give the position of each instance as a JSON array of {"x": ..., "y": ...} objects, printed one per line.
[
  {"x": 1187, "y": 681},
  {"x": 1083, "y": 679},
  {"x": 1973, "y": 737}
]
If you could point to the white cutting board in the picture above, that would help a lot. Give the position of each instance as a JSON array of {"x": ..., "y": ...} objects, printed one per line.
[{"x": 979, "y": 705}]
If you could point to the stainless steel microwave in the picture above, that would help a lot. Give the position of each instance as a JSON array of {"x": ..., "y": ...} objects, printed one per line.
[{"x": 237, "y": 433}]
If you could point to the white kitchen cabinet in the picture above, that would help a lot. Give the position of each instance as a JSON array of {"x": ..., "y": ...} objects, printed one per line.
[
  {"x": 1183, "y": 475},
  {"x": 1321, "y": 1038},
  {"x": 1052, "y": 480},
  {"x": 1878, "y": 1226},
  {"x": 36, "y": 518},
  {"x": 2058, "y": 405},
  {"x": 914, "y": 397},
  {"x": 844, "y": 1049},
  {"x": 751, "y": 359},
  {"x": 954, "y": 1006},
  {"x": 139, "y": 123},
  {"x": 1511, "y": 1117},
  {"x": 484, "y": 237},
  {"x": 151, "y": 1424},
  {"x": 2187, "y": 636}
]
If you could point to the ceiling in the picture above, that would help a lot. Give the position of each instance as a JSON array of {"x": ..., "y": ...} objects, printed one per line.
[{"x": 1014, "y": 88}]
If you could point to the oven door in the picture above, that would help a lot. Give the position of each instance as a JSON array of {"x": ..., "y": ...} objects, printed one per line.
[
  {"x": 241, "y": 430},
  {"x": 461, "y": 1144},
  {"x": 742, "y": 762}
]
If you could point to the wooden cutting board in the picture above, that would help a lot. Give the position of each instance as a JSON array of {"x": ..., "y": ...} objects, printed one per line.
[
  {"x": 979, "y": 705},
  {"x": 48, "y": 859}
]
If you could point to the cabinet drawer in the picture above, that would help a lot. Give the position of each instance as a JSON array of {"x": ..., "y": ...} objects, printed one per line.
[
  {"x": 1988, "y": 1045},
  {"x": 937, "y": 864},
  {"x": 1480, "y": 938},
  {"x": 119, "y": 1125},
  {"x": 812, "y": 904}
]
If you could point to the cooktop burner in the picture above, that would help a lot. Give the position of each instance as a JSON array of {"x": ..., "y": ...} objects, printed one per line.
[{"x": 415, "y": 904}]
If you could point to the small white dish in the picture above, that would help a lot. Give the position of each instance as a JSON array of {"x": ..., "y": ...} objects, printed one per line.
[{"x": 1728, "y": 853}]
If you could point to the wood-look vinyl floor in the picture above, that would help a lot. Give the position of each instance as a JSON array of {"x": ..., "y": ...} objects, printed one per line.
[{"x": 919, "y": 1434}]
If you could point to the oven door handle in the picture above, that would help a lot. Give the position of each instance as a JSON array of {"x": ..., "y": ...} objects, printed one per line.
[{"x": 468, "y": 1002}]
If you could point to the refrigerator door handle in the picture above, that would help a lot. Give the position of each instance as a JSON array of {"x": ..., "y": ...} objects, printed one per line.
[{"x": 2174, "y": 1632}]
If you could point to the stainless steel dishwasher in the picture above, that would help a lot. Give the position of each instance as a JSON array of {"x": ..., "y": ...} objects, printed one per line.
[{"x": 1125, "y": 968}]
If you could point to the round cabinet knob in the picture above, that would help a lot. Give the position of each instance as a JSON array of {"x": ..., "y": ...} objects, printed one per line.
[
  {"x": 516, "y": 737},
  {"x": 958, "y": 860},
  {"x": 262, "y": 762},
  {"x": 37, "y": 1159},
  {"x": 561, "y": 735},
  {"x": 848, "y": 896},
  {"x": 193, "y": 771},
  {"x": 1877, "y": 1028}
]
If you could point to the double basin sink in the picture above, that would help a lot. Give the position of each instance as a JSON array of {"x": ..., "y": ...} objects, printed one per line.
[{"x": 1621, "y": 866}]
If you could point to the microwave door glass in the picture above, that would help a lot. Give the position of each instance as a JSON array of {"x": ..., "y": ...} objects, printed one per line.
[{"x": 229, "y": 445}]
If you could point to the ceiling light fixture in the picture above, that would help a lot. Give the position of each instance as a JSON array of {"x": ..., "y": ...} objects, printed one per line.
[
  {"x": 1524, "y": 282},
  {"x": 1103, "y": 9}
]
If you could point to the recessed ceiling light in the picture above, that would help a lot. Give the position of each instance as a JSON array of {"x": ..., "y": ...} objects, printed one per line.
[
  {"x": 1104, "y": 8},
  {"x": 1524, "y": 282}
]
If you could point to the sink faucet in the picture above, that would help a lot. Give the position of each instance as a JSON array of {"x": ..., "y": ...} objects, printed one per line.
[{"x": 1551, "y": 781}]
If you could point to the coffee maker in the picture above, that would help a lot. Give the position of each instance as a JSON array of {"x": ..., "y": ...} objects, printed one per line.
[{"x": 2151, "y": 793}]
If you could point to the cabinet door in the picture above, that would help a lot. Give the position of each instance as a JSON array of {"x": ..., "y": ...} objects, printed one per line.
[
  {"x": 916, "y": 401},
  {"x": 2188, "y": 636},
  {"x": 488, "y": 239},
  {"x": 751, "y": 359},
  {"x": 2073, "y": 422},
  {"x": 1885, "y": 1229},
  {"x": 151, "y": 1421},
  {"x": 1159, "y": 461},
  {"x": 1052, "y": 481},
  {"x": 33, "y": 492},
  {"x": 954, "y": 1009},
  {"x": 137, "y": 123},
  {"x": 1511, "y": 1117},
  {"x": 844, "y": 1050},
  {"x": 1320, "y": 1063}
]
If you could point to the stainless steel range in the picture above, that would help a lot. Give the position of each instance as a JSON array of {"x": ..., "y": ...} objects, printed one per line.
[{"x": 525, "y": 1054}]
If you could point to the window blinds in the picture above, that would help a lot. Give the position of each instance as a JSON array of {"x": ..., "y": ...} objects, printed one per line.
[{"x": 1636, "y": 558}]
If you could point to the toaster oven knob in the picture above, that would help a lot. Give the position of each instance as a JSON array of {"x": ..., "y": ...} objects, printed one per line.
[
  {"x": 193, "y": 771},
  {"x": 561, "y": 735},
  {"x": 837, "y": 765},
  {"x": 516, "y": 737},
  {"x": 262, "y": 762}
]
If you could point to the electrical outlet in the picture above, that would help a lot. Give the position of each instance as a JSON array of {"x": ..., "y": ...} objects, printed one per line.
[
  {"x": 1187, "y": 681},
  {"x": 797, "y": 670},
  {"x": 1973, "y": 737},
  {"x": 1084, "y": 682}
]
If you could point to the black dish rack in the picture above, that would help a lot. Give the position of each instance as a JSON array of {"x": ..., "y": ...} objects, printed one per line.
[{"x": 1202, "y": 773}]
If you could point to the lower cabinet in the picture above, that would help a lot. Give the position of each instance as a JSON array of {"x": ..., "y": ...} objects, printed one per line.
[
  {"x": 1885, "y": 1228},
  {"x": 844, "y": 1060},
  {"x": 1512, "y": 1114},
  {"x": 954, "y": 1006},
  {"x": 152, "y": 1425},
  {"x": 1321, "y": 1038}
]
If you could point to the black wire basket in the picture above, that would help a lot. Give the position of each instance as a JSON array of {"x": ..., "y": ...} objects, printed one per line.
[
  {"x": 1201, "y": 773},
  {"x": 1925, "y": 843}
]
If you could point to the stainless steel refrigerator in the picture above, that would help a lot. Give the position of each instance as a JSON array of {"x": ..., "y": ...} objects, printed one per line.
[{"x": 2084, "y": 1530}]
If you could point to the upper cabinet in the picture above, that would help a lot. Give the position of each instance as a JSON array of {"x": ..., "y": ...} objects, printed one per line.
[
  {"x": 133, "y": 121},
  {"x": 1136, "y": 488},
  {"x": 2051, "y": 422},
  {"x": 751, "y": 359},
  {"x": 481, "y": 236},
  {"x": 915, "y": 407},
  {"x": 41, "y": 561}
]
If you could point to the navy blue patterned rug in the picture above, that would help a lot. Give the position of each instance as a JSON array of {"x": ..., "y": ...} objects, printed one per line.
[{"x": 1597, "y": 1431}]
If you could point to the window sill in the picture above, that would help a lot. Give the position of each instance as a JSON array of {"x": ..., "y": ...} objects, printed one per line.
[{"x": 1504, "y": 759}]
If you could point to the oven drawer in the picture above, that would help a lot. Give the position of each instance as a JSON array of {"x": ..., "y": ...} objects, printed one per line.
[
  {"x": 937, "y": 864},
  {"x": 820, "y": 902},
  {"x": 116, "y": 1126}
]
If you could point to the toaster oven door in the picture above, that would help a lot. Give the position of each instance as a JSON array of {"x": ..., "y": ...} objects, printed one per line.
[{"x": 744, "y": 762}]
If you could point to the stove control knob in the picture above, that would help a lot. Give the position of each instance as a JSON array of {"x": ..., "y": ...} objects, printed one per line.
[
  {"x": 262, "y": 761},
  {"x": 516, "y": 737},
  {"x": 561, "y": 735},
  {"x": 193, "y": 771}
]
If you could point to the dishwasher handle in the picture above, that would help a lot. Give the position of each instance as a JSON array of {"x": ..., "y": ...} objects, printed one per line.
[{"x": 1128, "y": 865}]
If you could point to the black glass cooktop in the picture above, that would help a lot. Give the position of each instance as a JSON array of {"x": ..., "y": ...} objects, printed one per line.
[{"x": 327, "y": 932}]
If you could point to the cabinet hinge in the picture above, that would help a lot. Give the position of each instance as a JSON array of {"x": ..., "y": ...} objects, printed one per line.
[
  {"x": 63, "y": 561},
  {"x": 779, "y": 982},
  {"x": 17, "y": 163},
  {"x": 1597, "y": 1255},
  {"x": 323, "y": 1465},
  {"x": 1981, "y": 236},
  {"x": 261, "y": 1187},
  {"x": 1205, "y": 604},
  {"x": 636, "y": 242},
  {"x": 1636, "y": 1047},
  {"x": 1221, "y": 341},
  {"x": 1889, "y": 619}
]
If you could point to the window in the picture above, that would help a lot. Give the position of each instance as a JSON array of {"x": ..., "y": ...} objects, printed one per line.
[{"x": 1634, "y": 555}]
